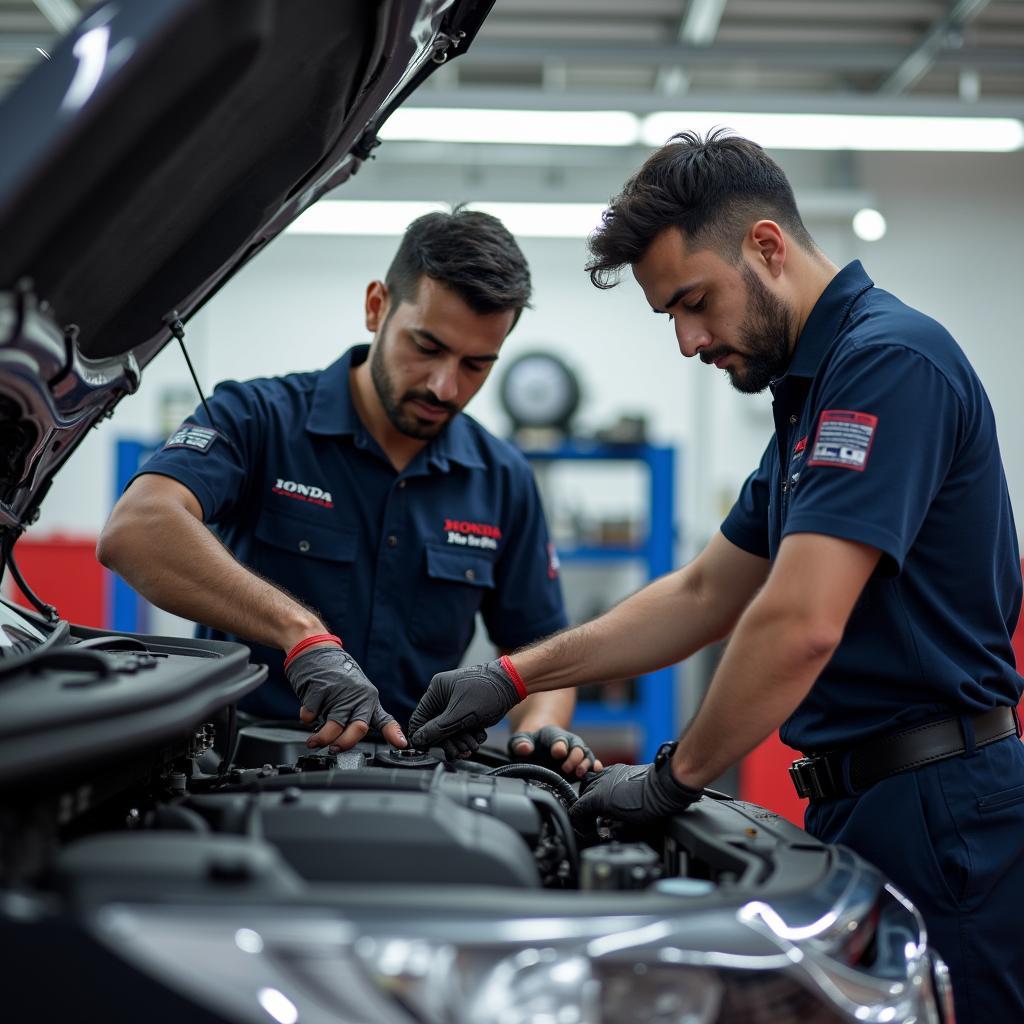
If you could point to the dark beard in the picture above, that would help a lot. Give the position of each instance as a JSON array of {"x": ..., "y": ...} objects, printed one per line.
[
  {"x": 403, "y": 421},
  {"x": 765, "y": 338}
]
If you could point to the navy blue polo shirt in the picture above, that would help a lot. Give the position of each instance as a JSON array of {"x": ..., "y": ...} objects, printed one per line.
[
  {"x": 885, "y": 436},
  {"x": 397, "y": 564}
]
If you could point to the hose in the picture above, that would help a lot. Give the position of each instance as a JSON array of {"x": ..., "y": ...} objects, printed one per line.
[{"x": 537, "y": 773}]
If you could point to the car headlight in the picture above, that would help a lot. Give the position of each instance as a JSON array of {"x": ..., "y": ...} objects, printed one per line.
[
  {"x": 535, "y": 985},
  {"x": 757, "y": 965}
]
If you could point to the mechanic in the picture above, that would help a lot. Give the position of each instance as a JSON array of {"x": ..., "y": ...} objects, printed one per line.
[
  {"x": 363, "y": 491},
  {"x": 868, "y": 573}
]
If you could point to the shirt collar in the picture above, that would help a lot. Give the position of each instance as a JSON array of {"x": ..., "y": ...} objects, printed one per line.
[
  {"x": 333, "y": 412},
  {"x": 826, "y": 319}
]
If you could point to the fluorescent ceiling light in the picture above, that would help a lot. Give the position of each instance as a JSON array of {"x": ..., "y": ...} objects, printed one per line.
[
  {"x": 382, "y": 217},
  {"x": 869, "y": 132},
  {"x": 528, "y": 127},
  {"x": 361, "y": 217},
  {"x": 546, "y": 220}
]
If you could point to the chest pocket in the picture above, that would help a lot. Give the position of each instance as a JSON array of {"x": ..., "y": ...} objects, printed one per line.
[
  {"x": 314, "y": 561},
  {"x": 448, "y": 594}
]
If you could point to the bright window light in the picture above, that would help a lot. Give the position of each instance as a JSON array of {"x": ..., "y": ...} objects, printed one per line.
[
  {"x": 869, "y": 225},
  {"x": 529, "y": 127},
  {"x": 361, "y": 217},
  {"x": 847, "y": 131},
  {"x": 382, "y": 217},
  {"x": 546, "y": 220}
]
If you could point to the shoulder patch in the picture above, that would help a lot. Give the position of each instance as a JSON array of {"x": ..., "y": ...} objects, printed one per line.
[
  {"x": 844, "y": 439},
  {"x": 198, "y": 439}
]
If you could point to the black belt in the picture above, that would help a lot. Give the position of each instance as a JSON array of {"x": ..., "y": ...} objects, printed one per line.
[{"x": 851, "y": 771}]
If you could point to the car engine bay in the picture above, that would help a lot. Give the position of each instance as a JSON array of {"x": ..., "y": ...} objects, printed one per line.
[{"x": 163, "y": 848}]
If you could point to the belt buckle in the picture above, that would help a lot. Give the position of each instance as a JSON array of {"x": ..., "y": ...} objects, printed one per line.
[{"x": 811, "y": 778}]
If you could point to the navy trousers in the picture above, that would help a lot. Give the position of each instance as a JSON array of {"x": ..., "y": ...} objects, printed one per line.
[{"x": 950, "y": 836}]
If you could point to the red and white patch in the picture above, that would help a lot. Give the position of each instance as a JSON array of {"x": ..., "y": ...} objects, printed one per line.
[
  {"x": 844, "y": 439},
  {"x": 553, "y": 563},
  {"x": 473, "y": 535}
]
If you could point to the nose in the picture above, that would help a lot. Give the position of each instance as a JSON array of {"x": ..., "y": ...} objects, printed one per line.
[
  {"x": 691, "y": 337},
  {"x": 444, "y": 380}
]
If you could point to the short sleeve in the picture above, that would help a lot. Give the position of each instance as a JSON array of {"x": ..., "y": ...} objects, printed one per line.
[
  {"x": 746, "y": 525},
  {"x": 526, "y": 603},
  {"x": 214, "y": 460},
  {"x": 885, "y": 429}
]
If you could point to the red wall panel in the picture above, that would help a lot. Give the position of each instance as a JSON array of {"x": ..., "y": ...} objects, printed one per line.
[{"x": 63, "y": 571}]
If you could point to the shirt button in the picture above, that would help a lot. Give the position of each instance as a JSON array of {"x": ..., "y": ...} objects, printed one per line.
[
  {"x": 303, "y": 546},
  {"x": 792, "y": 419},
  {"x": 401, "y": 485},
  {"x": 470, "y": 575},
  {"x": 392, "y": 541}
]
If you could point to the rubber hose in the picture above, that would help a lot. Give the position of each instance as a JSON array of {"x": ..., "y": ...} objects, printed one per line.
[{"x": 537, "y": 773}]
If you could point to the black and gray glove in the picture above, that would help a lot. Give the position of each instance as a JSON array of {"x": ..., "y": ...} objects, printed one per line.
[
  {"x": 332, "y": 686},
  {"x": 541, "y": 743},
  {"x": 638, "y": 794},
  {"x": 459, "y": 705}
]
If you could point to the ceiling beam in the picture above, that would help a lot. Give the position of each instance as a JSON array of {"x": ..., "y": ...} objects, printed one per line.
[
  {"x": 700, "y": 22},
  {"x": 494, "y": 52},
  {"x": 943, "y": 35},
  {"x": 63, "y": 15}
]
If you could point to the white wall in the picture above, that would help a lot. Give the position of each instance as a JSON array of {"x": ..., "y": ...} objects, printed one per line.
[{"x": 954, "y": 249}]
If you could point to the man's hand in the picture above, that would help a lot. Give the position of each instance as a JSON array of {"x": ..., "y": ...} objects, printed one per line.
[
  {"x": 332, "y": 686},
  {"x": 639, "y": 794},
  {"x": 459, "y": 705},
  {"x": 556, "y": 748}
]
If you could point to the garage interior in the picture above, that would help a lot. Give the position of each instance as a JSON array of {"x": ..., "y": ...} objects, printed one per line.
[{"x": 936, "y": 216}]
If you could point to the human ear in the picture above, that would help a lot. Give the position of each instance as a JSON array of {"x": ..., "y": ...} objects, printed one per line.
[
  {"x": 767, "y": 244},
  {"x": 376, "y": 305}
]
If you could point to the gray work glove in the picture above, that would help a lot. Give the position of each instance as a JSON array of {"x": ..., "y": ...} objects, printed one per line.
[
  {"x": 556, "y": 748},
  {"x": 636, "y": 793},
  {"x": 337, "y": 695},
  {"x": 459, "y": 705}
]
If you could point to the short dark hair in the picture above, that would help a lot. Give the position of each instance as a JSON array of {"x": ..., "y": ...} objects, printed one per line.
[
  {"x": 712, "y": 188},
  {"x": 470, "y": 252}
]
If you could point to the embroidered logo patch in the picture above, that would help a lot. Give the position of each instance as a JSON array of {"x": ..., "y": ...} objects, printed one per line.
[
  {"x": 189, "y": 435},
  {"x": 553, "y": 563},
  {"x": 472, "y": 535},
  {"x": 844, "y": 439},
  {"x": 303, "y": 492}
]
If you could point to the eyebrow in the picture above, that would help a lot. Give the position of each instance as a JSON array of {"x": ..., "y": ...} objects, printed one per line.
[
  {"x": 435, "y": 340},
  {"x": 677, "y": 296}
]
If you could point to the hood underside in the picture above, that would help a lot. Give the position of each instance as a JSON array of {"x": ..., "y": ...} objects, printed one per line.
[
  {"x": 162, "y": 146},
  {"x": 167, "y": 140}
]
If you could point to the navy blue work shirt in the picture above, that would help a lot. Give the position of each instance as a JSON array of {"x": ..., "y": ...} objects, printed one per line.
[
  {"x": 885, "y": 436},
  {"x": 397, "y": 564}
]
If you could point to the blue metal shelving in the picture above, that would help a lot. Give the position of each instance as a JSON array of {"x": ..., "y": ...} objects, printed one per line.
[
  {"x": 127, "y": 610},
  {"x": 653, "y": 711}
]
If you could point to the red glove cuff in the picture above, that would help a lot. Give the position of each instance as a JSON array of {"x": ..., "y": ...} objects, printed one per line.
[
  {"x": 309, "y": 641},
  {"x": 510, "y": 670}
]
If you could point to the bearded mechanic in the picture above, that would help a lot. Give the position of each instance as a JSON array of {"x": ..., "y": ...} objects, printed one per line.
[
  {"x": 361, "y": 518},
  {"x": 868, "y": 573}
]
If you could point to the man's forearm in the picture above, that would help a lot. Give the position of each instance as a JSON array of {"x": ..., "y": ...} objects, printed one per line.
[
  {"x": 665, "y": 622},
  {"x": 768, "y": 668},
  {"x": 175, "y": 562},
  {"x": 540, "y": 709}
]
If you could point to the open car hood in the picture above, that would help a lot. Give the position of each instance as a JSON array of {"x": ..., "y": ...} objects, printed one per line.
[{"x": 162, "y": 146}]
